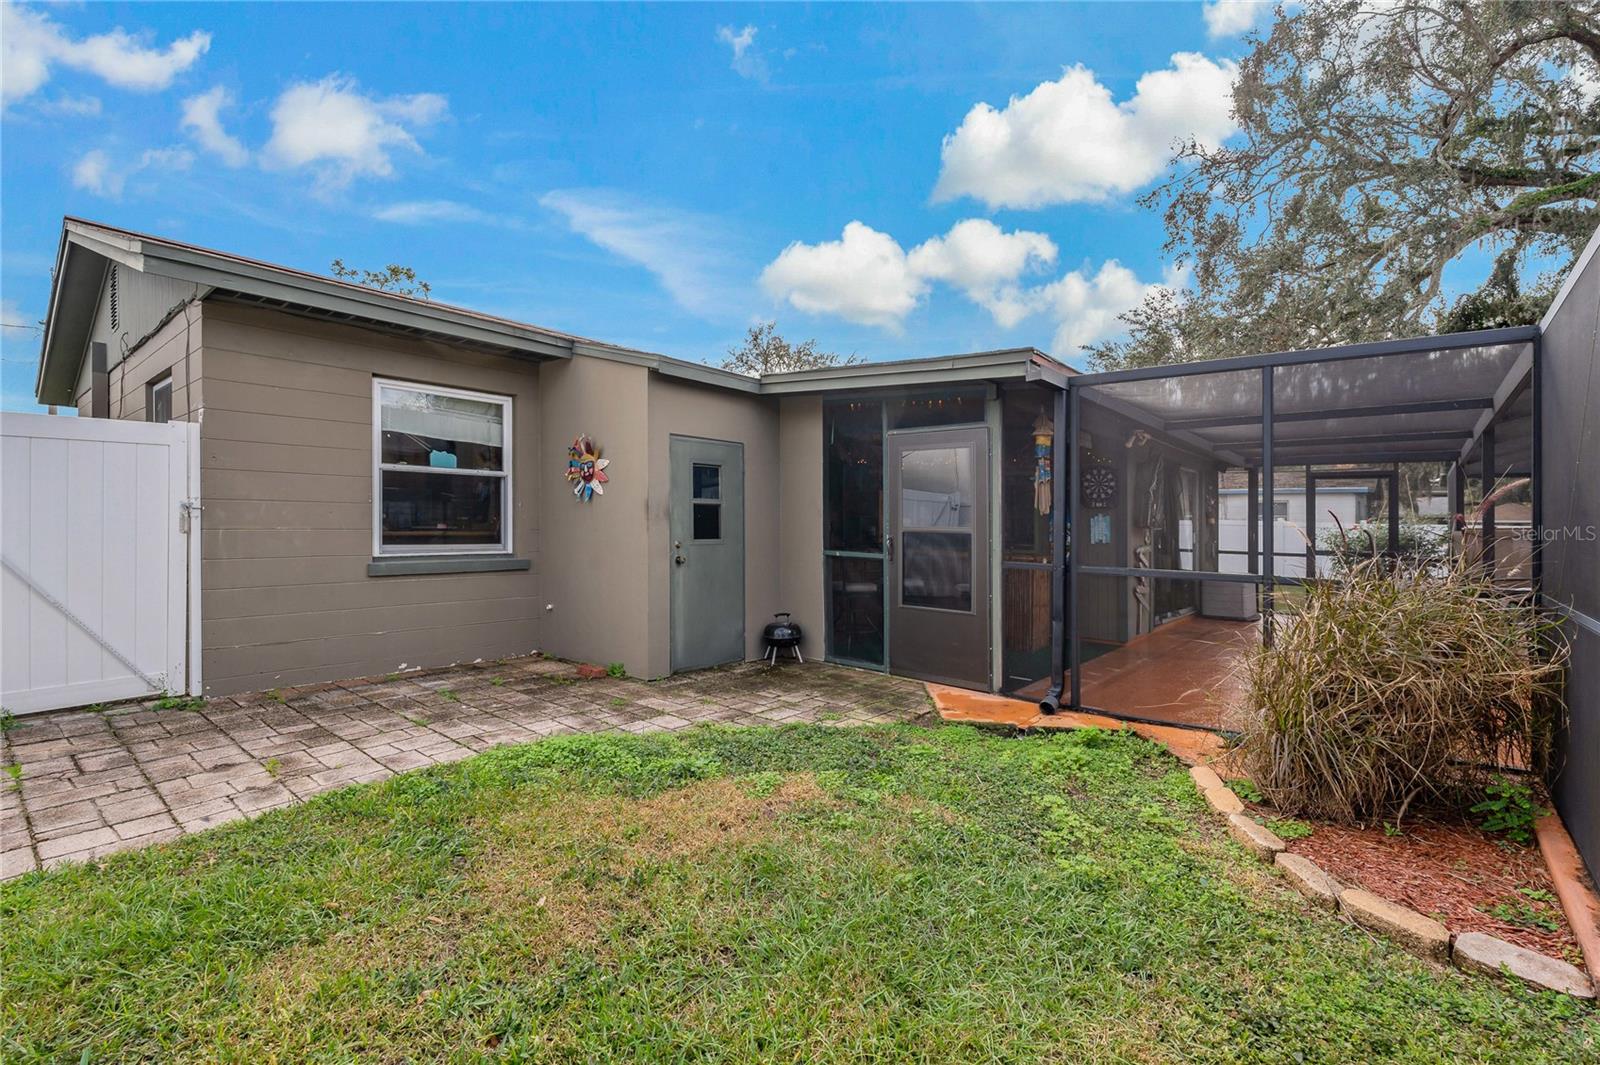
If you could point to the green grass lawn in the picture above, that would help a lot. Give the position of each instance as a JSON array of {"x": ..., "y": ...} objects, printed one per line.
[{"x": 801, "y": 894}]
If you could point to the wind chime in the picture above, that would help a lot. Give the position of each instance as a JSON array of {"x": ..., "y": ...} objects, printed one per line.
[{"x": 1044, "y": 436}]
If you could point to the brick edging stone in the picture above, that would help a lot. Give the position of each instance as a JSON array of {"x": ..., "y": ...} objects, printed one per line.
[{"x": 1472, "y": 952}]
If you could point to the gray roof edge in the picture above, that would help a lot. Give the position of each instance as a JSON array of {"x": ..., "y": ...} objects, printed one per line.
[
  {"x": 668, "y": 366},
  {"x": 939, "y": 369},
  {"x": 327, "y": 294},
  {"x": 56, "y": 376},
  {"x": 859, "y": 369}
]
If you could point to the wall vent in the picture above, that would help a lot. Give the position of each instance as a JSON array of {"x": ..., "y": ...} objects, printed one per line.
[{"x": 116, "y": 317}]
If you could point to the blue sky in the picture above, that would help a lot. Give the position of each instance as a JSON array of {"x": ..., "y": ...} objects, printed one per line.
[{"x": 891, "y": 180}]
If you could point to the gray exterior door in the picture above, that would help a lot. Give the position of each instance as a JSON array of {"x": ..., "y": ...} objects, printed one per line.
[
  {"x": 938, "y": 547},
  {"x": 707, "y": 523}
]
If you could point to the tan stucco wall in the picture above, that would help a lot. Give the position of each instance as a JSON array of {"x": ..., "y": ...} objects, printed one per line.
[
  {"x": 286, "y": 478},
  {"x": 286, "y": 438},
  {"x": 800, "y": 583},
  {"x": 596, "y": 584},
  {"x": 683, "y": 409}
]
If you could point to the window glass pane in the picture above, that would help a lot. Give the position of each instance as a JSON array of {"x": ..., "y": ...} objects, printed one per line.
[
  {"x": 1187, "y": 514},
  {"x": 450, "y": 432},
  {"x": 936, "y": 489},
  {"x": 853, "y": 458},
  {"x": 855, "y": 609},
  {"x": 936, "y": 570},
  {"x": 1027, "y": 483},
  {"x": 942, "y": 408},
  {"x": 708, "y": 521},
  {"x": 707, "y": 482},
  {"x": 434, "y": 509},
  {"x": 161, "y": 401}
]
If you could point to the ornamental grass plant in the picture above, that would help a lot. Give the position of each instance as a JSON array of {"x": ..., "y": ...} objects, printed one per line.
[{"x": 1399, "y": 684}]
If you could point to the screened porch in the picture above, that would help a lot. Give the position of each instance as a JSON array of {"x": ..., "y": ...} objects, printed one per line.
[{"x": 1208, "y": 493}]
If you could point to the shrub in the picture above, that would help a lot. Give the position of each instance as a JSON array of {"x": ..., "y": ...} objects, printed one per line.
[
  {"x": 1393, "y": 684},
  {"x": 1247, "y": 791},
  {"x": 1419, "y": 541},
  {"x": 1509, "y": 807}
]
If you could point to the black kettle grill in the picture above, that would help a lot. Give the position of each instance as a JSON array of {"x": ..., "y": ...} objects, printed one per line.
[{"x": 782, "y": 634}]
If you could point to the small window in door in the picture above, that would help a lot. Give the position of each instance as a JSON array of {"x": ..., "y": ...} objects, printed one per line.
[
  {"x": 707, "y": 502},
  {"x": 158, "y": 405}
]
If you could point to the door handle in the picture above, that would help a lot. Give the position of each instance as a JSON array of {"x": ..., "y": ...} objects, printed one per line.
[
  {"x": 677, "y": 547},
  {"x": 888, "y": 548},
  {"x": 679, "y": 559}
]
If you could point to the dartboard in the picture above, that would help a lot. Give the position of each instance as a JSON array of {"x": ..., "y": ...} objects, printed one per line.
[{"x": 1099, "y": 486}]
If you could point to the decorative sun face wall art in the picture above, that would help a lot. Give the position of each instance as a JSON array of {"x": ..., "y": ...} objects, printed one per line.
[{"x": 586, "y": 469}]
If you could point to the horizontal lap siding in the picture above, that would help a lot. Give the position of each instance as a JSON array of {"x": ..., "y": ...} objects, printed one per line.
[
  {"x": 286, "y": 453},
  {"x": 159, "y": 355}
]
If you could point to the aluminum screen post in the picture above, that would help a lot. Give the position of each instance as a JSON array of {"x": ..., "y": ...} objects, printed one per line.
[
  {"x": 1268, "y": 531},
  {"x": 1394, "y": 511},
  {"x": 1252, "y": 521},
  {"x": 1075, "y": 656},
  {"x": 1311, "y": 522},
  {"x": 1488, "y": 476},
  {"x": 1060, "y": 592},
  {"x": 1536, "y": 472}
]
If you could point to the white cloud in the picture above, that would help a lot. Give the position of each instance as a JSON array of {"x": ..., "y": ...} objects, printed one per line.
[
  {"x": 681, "y": 249},
  {"x": 1086, "y": 308},
  {"x": 1068, "y": 140},
  {"x": 986, "y": 263},
  {"x": 1229, "y": 18},
  {"x": 11, "y": 316},
  {"x": 862, "y": 277},
  {"x": 331, "y": 126},
  {"x": 747, "y": 61},
  {"x": 67, "y": 106},
  {"x": 202, "y": 119},
  {"x": 866, "y": 277},
  {"x": 426, "y": 212},
  {"x": 31, "y": 43},
  {"x": 93, "y": 171},
  {"x": 96, "y": 171},
  {"x": 174, "y": 158}
]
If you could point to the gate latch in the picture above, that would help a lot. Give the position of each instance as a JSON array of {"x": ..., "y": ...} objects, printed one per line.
[{"x": 186, "y": 507}]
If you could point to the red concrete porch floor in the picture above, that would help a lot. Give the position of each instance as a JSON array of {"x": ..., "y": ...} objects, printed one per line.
[{"x": 1186, "y": 672}]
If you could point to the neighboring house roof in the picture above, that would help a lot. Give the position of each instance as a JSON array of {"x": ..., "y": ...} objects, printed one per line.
[{"x": 88, "y": 249}]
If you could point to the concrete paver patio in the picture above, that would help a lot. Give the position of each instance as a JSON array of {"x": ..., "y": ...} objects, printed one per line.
[{"x": 82, "y": 784}]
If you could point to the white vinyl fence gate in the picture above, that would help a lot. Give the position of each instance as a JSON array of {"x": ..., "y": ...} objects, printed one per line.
[{"x": 100, "y": 586}]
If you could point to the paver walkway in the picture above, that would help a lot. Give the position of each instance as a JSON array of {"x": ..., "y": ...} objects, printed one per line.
[{"x": 82, "y": 784}]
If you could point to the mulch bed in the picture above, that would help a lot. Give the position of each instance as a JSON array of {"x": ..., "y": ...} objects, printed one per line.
[{"x": 1453, "y": 872}]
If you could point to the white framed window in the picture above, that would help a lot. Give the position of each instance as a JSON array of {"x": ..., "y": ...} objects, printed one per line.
[
  {"x": 441, "y": 470},
  {"x": 158, "y": 400}
]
